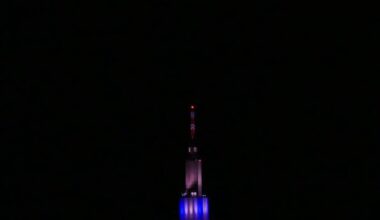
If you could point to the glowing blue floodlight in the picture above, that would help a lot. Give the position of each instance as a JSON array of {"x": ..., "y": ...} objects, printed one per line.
[{"x": 193, "y": 208}]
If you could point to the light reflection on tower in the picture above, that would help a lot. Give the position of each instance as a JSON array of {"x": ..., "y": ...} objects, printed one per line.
[{"x": 193, "y": 204}]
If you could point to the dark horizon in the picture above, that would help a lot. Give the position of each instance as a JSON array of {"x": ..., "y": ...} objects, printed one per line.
[{"x": 95, "y": 100}]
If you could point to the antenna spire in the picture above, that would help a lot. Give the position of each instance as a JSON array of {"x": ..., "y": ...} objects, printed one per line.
[{"x": 192, "y": 122}]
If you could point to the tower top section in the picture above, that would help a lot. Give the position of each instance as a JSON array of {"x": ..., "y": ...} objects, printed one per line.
[{"x": 192, "y": 122}]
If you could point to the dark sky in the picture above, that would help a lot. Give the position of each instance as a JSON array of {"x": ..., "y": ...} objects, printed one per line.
[{"x": 94, "y": 101}]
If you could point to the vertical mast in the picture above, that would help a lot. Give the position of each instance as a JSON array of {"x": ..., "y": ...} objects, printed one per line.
[
  {"x": 192, "y": 147},
  {"x": 193, "y": 162},
  {"x": 192, "y": 123}
]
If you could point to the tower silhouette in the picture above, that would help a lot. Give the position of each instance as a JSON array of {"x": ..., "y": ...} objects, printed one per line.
[{"x": 193, "y": 204}]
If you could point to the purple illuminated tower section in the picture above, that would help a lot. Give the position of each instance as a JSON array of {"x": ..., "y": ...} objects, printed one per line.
[{"x": 193, "y": 204}]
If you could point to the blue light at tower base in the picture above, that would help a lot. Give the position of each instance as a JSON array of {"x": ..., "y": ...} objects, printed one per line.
[{"x": 193, "y": 208}]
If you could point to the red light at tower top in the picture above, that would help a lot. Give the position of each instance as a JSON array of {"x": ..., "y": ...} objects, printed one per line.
[{"x": 192, "y": 107}]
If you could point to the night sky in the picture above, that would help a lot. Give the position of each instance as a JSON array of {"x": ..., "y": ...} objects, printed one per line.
[{"x": 95, "y": 97}]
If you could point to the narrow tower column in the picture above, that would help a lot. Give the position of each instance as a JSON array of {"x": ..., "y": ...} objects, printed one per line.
[
  {"x": 192, "y": 122},
  {"x": 193, "y": 162},
  {"x": 193, "y": 205}
]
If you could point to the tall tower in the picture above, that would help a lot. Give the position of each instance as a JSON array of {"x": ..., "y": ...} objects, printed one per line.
[{"x": 193, "y": 204}]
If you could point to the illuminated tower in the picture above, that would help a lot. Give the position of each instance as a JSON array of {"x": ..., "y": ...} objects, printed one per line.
[{"x": 193, "y": 204}]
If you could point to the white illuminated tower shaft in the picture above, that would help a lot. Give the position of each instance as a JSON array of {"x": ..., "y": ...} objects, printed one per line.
[
  {"x": 193, "y": 162},
  {"x": 193, "y": 204}
]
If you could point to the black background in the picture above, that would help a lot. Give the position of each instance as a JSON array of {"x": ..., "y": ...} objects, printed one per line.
[{"x": 95, "y": 100}]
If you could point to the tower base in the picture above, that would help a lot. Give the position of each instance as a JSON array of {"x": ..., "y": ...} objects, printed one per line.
[{"x": 193, "y": 208}]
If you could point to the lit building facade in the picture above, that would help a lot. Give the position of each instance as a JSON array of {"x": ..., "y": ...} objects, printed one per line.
[{"x": 193, "y": 204}]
